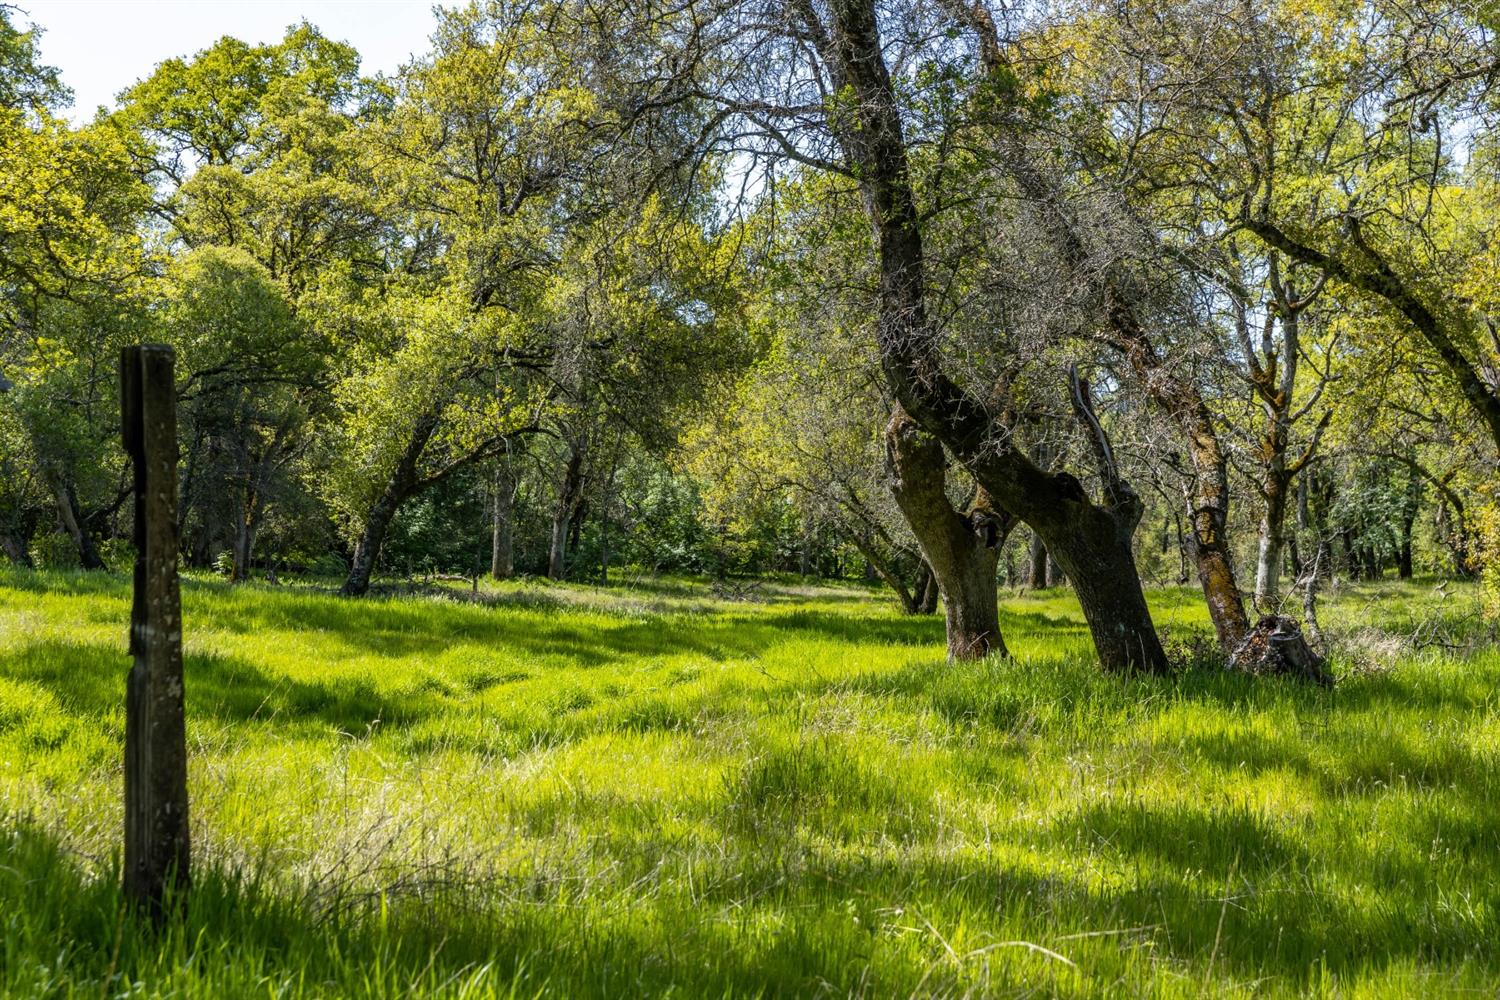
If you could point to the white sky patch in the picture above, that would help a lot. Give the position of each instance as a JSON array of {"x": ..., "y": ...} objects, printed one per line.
[{"x": 104, "y": 46}]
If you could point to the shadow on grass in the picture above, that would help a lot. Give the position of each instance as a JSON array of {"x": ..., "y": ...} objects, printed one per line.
[
  {"x": 88, "y": 680},
  {"x": 500, "y": 937}
]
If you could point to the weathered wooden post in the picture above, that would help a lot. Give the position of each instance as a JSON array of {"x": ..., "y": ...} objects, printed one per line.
[{"x": 156, "y": 805}]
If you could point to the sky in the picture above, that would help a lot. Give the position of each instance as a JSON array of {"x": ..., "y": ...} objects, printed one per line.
[{"x": 103, "y": 46}]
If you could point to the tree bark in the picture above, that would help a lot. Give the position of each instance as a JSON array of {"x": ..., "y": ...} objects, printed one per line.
[
  {"x": 398, "y": 487},
  {"x": 1272, "y": 543},
  {"x": 1177, "y": 396},
  {"x": 70, "y": 518},
  {"x": 157, "y": 854},
  {"x": 962, "y": 551},
  {"x": 562, "y": 516},
  {"x": 930, "y": 591},
  {"x": 1208, "y": 511},
  {"x": 502, "y": 535},
  {"x": 1409, "y": 510},
  {"x": 1090, "y": 541},
  {"x": 246, "y": 526},
  {"x": 1036, "y": 566},
  {"x": 367, "y": 549},
  {"x": 15, "y": 550}
]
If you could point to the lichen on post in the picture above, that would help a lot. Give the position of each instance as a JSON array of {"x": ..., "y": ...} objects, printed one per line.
[{"x": 156, "y": 800}]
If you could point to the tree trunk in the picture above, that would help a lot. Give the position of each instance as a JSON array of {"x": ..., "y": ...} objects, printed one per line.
[
  {"x": 1413, "y": 504},
  {"x": 576, "y": 524},
  {"x": 244, "y": 540},
  {"x": 880, "y": 569},
  {"x": 1091, "y": 542},
  {"x": 961, "y": 551},
  {"x": 367, "y": 549},
  {"x": 1304, "y": 521},
  {"x": 15, "y": 550},
  {"x": 1272, "y": 542},
  {"x": 562, "y": 516},
  {"x": 246, "y": 526},
  {"x": 1208, "y": 515},
  {"x": 930, "y": 591},
  {"x": 1036, "y": 566},
  {"x": 1055, "y": 576},
  {"x": 70, "y": 519},
  {"x": 399, "y": 485},
  {"x": 502, "y": 538}
]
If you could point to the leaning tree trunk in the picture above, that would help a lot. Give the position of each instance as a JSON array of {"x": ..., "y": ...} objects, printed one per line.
[
  {"x": 877, "y": 567},
  {"x": 1092, "y": 545},
  {"x": 367, "y": 548},
  {"x": 398, "y": 486},
  {"x": 962, "y": 551},
  {"x": 1090, "y": 541},
  {"x": 71, "y": 519}
]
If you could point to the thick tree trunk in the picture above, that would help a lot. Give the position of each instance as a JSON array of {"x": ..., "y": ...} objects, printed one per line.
[
  {"x": 1093, "y": 548},
  {"x": 367, "y": 548},
  {"x": 1091, "y": 542},
  {"x": 962, "y": 551},
  {"x": 502, "y": 536}
]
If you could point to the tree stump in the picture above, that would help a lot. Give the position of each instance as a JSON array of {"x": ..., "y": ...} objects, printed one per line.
[
  {"x": 156, "y": 802},
  {"x": 1275, "y": 646}
]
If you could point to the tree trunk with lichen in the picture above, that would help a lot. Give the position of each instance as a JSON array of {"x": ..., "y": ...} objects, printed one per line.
[
  {"x": 960, "y": 549},
  {"x": 1091, "y": 541}
]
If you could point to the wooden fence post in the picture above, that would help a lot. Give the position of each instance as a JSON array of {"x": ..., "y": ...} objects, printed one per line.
[{"x": 156, "y": 805}]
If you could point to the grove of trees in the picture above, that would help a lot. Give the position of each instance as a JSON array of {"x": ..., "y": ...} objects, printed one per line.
[{"x": 948, "y": 294}]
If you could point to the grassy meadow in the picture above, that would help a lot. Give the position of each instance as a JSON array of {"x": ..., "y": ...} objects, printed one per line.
[{"x": 645, "y": 790}]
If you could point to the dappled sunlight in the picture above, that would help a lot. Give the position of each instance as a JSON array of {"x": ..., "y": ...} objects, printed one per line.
[{"x": 805, "y": 788}]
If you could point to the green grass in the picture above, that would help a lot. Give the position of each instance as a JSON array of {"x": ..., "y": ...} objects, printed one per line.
[{"x": 646, "y": 791}]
